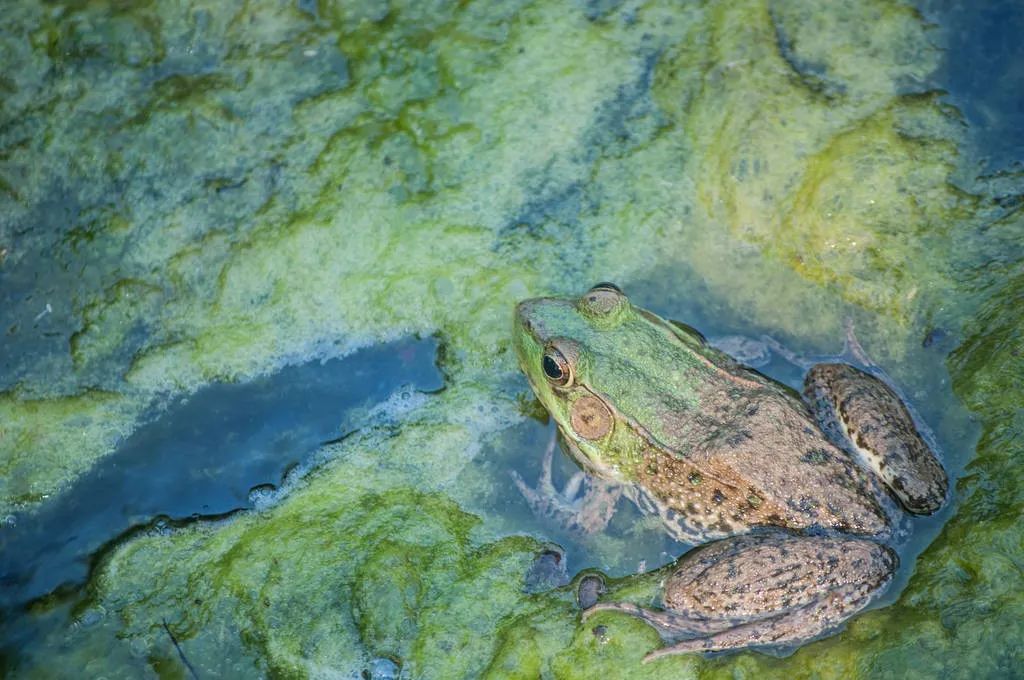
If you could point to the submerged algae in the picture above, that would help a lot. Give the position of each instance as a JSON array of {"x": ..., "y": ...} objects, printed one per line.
[{"x": 239, "y": 189}]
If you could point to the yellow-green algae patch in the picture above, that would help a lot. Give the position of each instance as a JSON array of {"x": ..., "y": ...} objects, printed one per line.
[
  {"x": 255, "y": 186},
  {"x": 327, "y": 580},
  {"x": 36, "y": 452}
]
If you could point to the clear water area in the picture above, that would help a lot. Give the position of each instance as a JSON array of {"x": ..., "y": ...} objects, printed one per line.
[
  {"x": 984, "y": 74},
  {"x": 220, "y": 450}
]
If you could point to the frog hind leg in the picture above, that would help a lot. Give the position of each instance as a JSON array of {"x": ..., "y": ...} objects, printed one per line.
[
  {"x": 773, "y": 588},
  {"x": 669, "y": 624},
  {"x": 587, "y": 512},
  {"x": 793, "y": 627},
  {"x": 863, "y": 415}
]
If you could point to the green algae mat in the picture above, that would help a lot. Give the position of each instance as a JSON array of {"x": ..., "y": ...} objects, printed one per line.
[{"x": 339, "y": 203}]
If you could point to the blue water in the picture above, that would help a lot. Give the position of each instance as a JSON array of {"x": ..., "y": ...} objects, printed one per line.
[
  {"x": 202, "y": 457},
  {"x": 983, "y": 74}
]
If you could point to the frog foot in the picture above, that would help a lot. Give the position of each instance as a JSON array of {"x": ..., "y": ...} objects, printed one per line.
[
  {"x": 853, "y": 351},
  {"x": 853, "y": 348},
  {"x": 585, "y": 505},
  {"x": 764, "y": 589}
]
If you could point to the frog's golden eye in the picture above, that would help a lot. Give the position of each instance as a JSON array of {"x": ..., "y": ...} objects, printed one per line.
[{"x": 556, "y": 367}]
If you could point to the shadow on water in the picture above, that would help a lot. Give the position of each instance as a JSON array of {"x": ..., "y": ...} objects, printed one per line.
[{"x": 203, "y": 455}]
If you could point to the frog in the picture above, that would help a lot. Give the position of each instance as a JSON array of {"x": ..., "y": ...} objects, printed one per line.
[{"x": 790, "y": 498}]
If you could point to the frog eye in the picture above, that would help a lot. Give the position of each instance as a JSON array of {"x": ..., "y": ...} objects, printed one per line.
[
  {"x": 607, "y": 285},
  {"x": 602, "y": 299},
  {"x": 556, "y": 367}
]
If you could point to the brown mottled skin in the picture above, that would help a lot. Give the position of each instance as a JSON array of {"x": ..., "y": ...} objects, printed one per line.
[
  {"x": 884, "y": 434},
  {"x": 805, "y": 481},
  {"x": 718, "y": 450},
  {"x": 801, "y": 588}
]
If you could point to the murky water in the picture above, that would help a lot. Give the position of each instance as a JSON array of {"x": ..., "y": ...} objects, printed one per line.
[{"x": 223, "y": 454}]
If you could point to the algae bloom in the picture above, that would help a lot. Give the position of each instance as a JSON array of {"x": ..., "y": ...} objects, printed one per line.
[{"x": 278, "y": 244}]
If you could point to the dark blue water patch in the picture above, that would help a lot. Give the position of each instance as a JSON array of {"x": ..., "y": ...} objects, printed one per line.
[
  {"x": 202, "y": 456},
  {"x": 983, "y": 72}
]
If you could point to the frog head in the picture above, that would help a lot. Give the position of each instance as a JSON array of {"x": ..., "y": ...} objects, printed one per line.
[{"x": 612, "y": 375}]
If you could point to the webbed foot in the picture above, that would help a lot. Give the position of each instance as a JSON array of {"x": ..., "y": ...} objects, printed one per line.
[
  {"x": 852, "y": 351},
  {"x": 586, "y": 504}
]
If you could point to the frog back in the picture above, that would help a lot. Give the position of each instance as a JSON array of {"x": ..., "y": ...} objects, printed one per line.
[{"x": 753, "y": 458}]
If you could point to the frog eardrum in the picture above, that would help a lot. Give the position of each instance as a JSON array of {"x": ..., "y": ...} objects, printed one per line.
[{"x": 590, "y": 418}]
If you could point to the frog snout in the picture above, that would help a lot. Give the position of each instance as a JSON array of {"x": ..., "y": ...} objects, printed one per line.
[
  {"x": 526, "y": 315},
  {"x": 544, "y": 317}
]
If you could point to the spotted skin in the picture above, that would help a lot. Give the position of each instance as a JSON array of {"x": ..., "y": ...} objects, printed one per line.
[
  {"x": 772, "y": 588},
  {"x": 697, "y": 504},
  {"x": 741, "y": 487},
  {"x": 879, "y": 430}
]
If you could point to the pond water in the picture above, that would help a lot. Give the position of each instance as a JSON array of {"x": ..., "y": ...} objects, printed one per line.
[
  {"x": 259, "y": 409},
  {"x": 223, "y": 449}
]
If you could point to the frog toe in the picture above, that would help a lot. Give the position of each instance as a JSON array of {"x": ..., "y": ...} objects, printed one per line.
[{"x": 586, "y": 506}]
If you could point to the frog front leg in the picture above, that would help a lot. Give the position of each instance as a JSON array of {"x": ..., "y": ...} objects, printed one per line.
[
  {"x": 863, "y": 415},
  {"x": 773, "y": 588},
  {"x": 586, "y": 504}
]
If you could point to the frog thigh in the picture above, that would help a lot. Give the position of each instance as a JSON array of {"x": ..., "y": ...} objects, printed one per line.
[
  {"x": 865, "y": 416},
  {"x": 772, "y": 588}
]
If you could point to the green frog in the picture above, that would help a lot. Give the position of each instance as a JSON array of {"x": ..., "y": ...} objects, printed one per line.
[{"x": 795, "y": 496}]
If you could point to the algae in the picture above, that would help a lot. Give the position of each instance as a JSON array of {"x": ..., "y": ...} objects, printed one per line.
[{"x": 206, "y": 193}]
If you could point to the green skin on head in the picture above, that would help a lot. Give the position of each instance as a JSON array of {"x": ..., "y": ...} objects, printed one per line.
[{"x": 591, "y": 333}]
